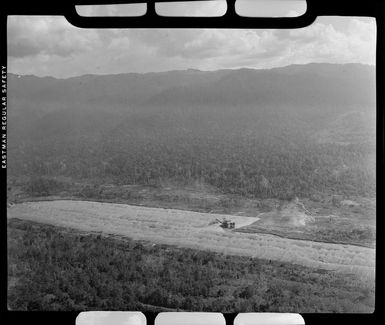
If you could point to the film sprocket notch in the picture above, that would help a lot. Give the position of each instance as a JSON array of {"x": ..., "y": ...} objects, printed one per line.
[{"x": 229, "y": 20}]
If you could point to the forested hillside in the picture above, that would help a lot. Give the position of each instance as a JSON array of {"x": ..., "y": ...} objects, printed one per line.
[{"x": 284, "y": 132}]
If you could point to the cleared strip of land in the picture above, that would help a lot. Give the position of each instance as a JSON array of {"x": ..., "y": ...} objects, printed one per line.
[{"x": 193, "y": 230}]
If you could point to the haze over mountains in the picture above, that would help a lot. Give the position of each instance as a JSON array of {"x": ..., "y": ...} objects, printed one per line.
[{"x": 307, "y": 98}]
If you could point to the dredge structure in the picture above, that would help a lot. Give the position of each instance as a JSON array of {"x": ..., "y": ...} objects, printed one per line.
[{"x": 226, "y": 223}]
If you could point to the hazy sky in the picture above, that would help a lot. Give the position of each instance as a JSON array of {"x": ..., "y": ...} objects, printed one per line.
[
  {"x": 268, "y": 319},
  {"x": 43, "y": 45},
  {"x": 110, "y": 318},
  {"x": 190, "y": 318}
]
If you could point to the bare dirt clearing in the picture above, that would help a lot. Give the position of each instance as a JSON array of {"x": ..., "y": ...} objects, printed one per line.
[
  {"x": 293, "y": 220},
  {"x": 192, "y": 229}
]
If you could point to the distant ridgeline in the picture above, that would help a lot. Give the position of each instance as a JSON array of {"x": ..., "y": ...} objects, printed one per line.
[{"x": 283, "y": 132}]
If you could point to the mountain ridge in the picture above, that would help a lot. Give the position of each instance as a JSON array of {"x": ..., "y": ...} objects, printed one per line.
[
  {"x": 305, "y": 97},
  {"x": 193, "y": 70}
]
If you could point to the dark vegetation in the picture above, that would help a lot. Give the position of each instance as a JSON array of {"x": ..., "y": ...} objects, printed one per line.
[
  {"x": 53, "y": 268},
  {"x": 244, "y": 167}
]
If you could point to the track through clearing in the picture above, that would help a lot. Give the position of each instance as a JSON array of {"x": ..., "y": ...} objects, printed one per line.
[{"x": 192, "y": 230}]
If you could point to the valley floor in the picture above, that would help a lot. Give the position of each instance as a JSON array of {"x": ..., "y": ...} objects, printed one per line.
[
  {"x": 306, "y": 255},
  {"x": 194, "y": 230},
  {"x": 324, "y": 218}
]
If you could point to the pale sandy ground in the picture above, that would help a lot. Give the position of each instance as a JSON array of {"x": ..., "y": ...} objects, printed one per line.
[{"x": 192, "y": 229}]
